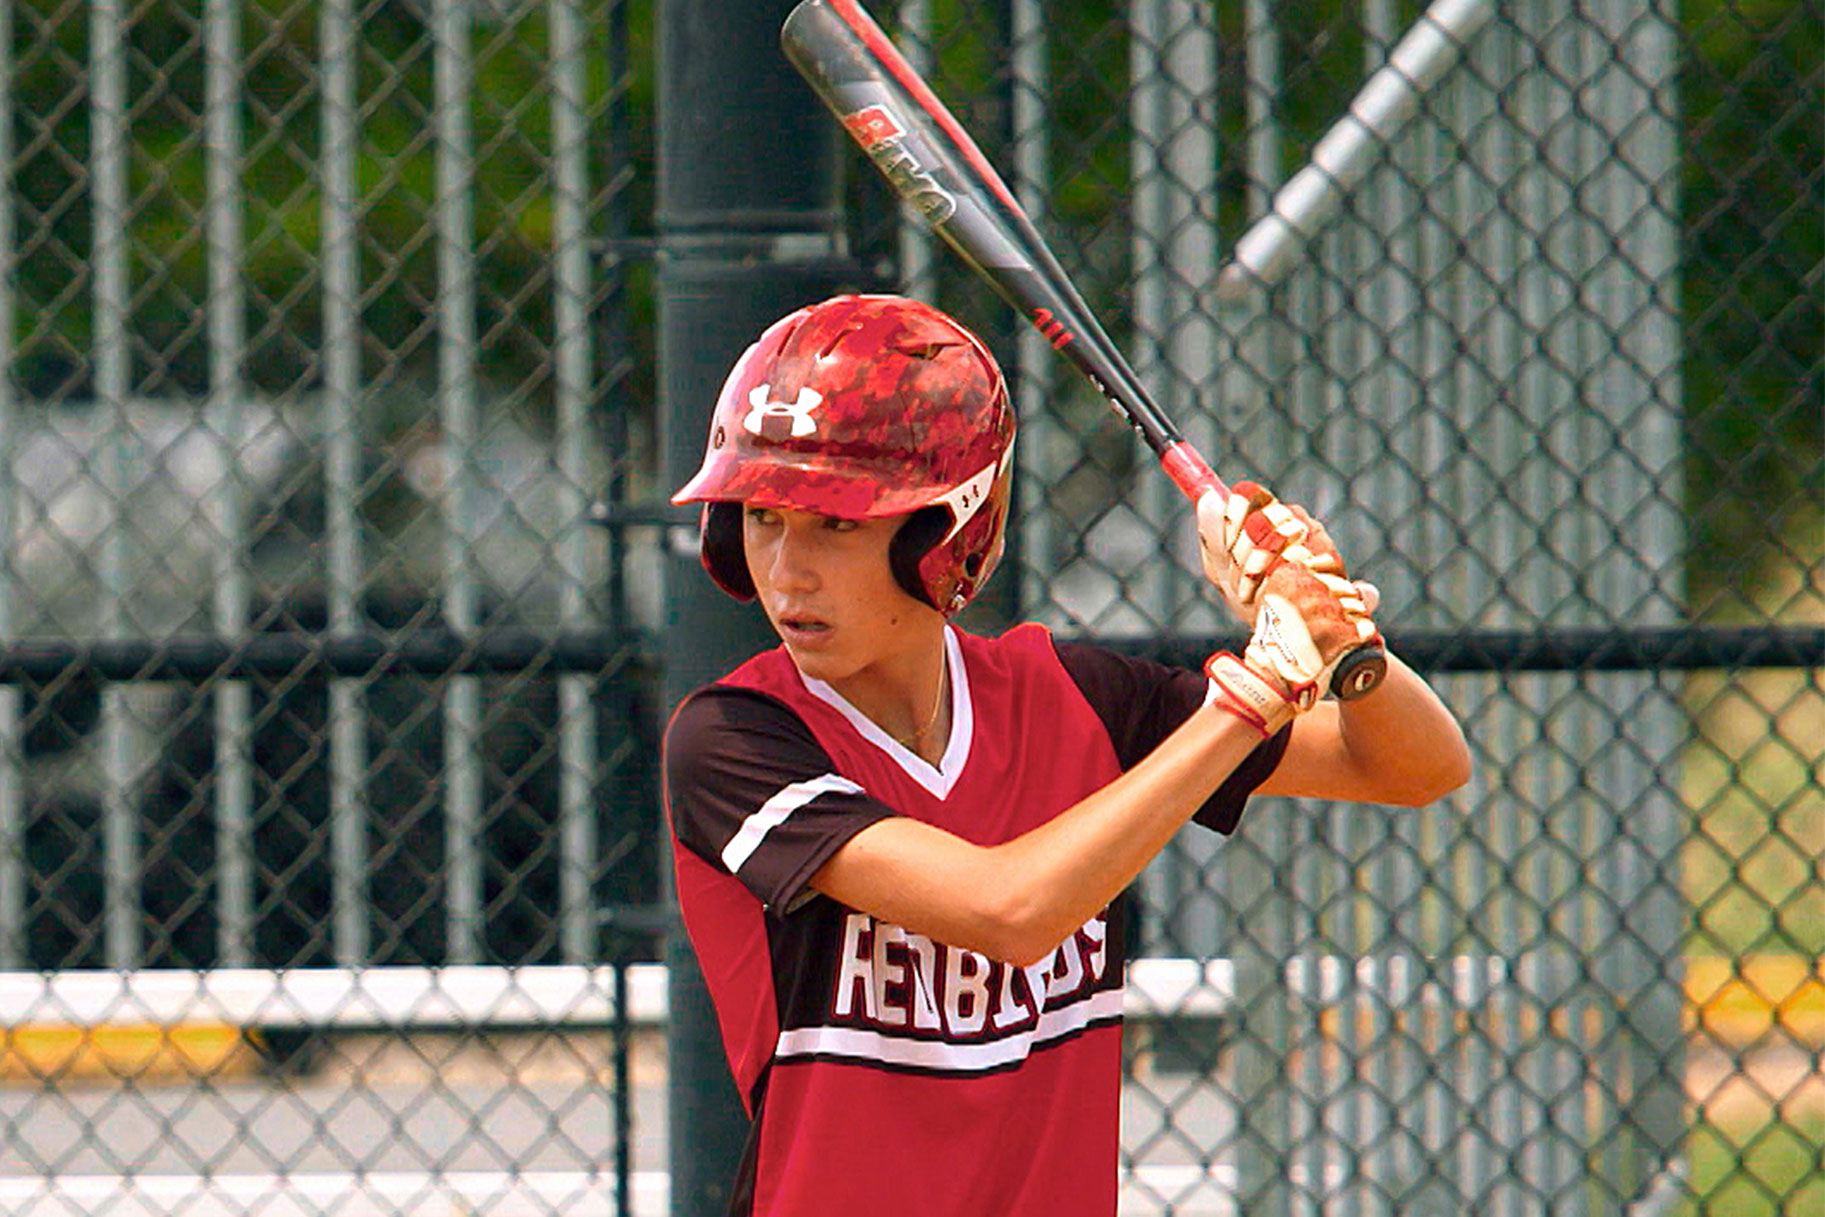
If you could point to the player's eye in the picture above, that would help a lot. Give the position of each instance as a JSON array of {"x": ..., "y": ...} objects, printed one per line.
[
  {"x": 836, "y": 525},
  {"x": 762, "y": 515}
]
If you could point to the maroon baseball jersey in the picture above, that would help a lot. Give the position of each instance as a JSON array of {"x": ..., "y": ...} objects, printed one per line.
[{"x": 887, "y": 1073}]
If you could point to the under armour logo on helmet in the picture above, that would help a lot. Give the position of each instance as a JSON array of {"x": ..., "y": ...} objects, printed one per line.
[{"x": 799, "y": 411}]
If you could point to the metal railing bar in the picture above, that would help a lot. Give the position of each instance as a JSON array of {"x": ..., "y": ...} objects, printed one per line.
[
  {"x": 573, "y": 357},
  {"x": 1173, "y": 249},
  {"x": 227, "y": 347},
  {"x": 454, "y": 75},
  {"x": 917, "y": 247},
  {"x": 342, "y": 330},
  {"x": 112, "y": 372},
  {"x": 611, "y": 136},
  {"x": 1036, "y": 363},
  {"x": 1393, "y": 301},
  {"x": 12, "y": 789},
  {"x": 607, "y": 654},
  {"x": 1554, "y": 648},
  {"x": 1255, "y": 355},
  {"x": 599, "y": 652}
]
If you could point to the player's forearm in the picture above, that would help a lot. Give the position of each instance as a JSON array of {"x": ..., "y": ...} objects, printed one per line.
[
  {"x": 1398, "y": 746},
  {"x": 1405, "y": 734},
  {"x": 1018, "y": 900},
  {"x": 1061, "y": 874}
]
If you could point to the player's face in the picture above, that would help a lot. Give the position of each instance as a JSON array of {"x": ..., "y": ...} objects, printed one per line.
[{"x": 828, "y": 589}]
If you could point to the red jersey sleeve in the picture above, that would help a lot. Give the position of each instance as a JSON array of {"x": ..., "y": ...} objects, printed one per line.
[
  {"x": 1142, "y": 702},
  {"x": 751, "y": 792}
]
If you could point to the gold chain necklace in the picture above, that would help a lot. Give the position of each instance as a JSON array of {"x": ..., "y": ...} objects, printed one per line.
[{"x": 907, "y": 741}]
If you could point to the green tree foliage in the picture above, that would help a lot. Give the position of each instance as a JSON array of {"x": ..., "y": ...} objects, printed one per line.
[
  {"x": 281, "y": 173},
  {"x": 1754, "y": 293}
]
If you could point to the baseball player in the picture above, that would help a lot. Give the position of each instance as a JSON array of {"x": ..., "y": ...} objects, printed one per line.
[{"x": 899, "y": 847}]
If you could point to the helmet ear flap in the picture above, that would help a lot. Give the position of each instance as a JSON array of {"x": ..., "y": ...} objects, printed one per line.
[
  {"x": 721, "y": 550},
  {"x": 924, "y": 529},
  {"x": 725, "y": 557}
]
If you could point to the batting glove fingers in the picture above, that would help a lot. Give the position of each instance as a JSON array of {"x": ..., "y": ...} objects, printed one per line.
[
  {"x": 1319, "y": 554},
  {"x": 1241, "y": 537}
]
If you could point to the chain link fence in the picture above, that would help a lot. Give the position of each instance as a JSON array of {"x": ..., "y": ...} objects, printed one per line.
[
  {"x": 327, "y": 806},
  {"x": 1553, "y": 377},
  {"x": 326, "y": 796}
]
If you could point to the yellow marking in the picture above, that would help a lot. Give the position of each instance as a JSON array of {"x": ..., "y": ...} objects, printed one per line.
[
  {"x": 1733, "y": 1002},
  {"x": 1738, "y": 1001},
  {"x": 142, "y": 1052}
]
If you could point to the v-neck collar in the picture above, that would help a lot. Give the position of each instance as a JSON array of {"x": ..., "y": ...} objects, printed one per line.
[{"x": 937, "y": 779}]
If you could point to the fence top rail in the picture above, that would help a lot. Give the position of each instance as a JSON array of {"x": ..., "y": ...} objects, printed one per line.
[
  {"x": 605, "y": 652},
  {"x": 423, "y": 652},
  {"x": 1680, "y": 648}
]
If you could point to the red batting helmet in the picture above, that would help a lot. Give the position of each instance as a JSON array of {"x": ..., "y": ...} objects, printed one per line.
[{"x": 859, "y": 407}]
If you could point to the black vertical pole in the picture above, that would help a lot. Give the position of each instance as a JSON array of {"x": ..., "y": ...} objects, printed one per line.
[{"x": 749, "y": 229}]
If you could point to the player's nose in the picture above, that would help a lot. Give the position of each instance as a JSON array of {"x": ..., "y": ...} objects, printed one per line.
[{"x": 792, "y": 563}]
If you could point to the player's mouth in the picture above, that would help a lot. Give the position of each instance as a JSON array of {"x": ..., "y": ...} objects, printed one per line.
[{"x": 802, "y": 630}]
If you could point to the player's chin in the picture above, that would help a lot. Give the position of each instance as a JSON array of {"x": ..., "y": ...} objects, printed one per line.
[{"x": 821, "y": 665}]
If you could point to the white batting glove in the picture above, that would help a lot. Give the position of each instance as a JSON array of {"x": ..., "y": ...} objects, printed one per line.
[
  {"x": 1305, "y": 624},
  {"x": 1241, "y": 537}
]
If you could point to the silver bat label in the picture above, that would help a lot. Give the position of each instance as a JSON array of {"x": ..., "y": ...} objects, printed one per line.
[{"x": 884, "y": 140}]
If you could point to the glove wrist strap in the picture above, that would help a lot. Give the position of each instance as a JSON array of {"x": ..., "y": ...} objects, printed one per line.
[{"x": 1247, "y": 694}]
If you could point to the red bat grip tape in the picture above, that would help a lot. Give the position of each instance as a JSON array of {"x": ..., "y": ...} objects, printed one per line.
[{"x": 1190, "y": 472}]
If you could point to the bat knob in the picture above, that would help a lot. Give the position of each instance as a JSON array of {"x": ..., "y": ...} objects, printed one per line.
[{"x": 1359, "y": 672}]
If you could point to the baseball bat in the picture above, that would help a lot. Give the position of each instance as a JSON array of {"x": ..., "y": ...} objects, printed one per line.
[{"x": 932, "y": 162}]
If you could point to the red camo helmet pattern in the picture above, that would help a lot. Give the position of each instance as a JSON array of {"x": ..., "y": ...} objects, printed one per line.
[{"x": 861, "y": 407}]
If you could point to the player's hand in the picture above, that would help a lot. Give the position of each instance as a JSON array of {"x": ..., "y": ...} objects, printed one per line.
[
  {"x": 1306, "y": 622},
  {"x": 1243, "y": 536},
  {"x": 1318, "y": 553}
]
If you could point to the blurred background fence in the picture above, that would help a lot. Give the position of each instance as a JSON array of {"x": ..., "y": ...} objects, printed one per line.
[{"x": 331, "y": 603}]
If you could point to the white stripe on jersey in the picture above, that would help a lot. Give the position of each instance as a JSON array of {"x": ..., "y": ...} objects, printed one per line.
[
  {"x": 936, "y": 781},
  {"x": 857, "y": 1044},
  {"x": 773, "y": 813}
]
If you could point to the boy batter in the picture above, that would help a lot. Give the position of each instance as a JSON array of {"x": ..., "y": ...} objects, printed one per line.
[{"x": 898, "y": 846}]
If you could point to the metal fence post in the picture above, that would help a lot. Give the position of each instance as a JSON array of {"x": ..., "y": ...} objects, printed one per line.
[{"x": 748, "y": 223}]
